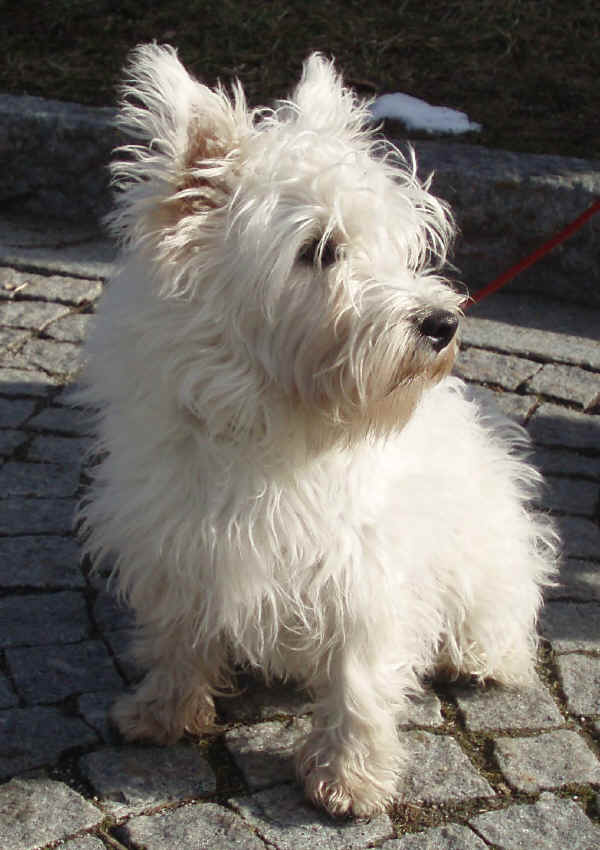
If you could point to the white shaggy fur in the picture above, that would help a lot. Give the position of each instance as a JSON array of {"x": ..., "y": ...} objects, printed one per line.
[{"x": 289, "y": 479}]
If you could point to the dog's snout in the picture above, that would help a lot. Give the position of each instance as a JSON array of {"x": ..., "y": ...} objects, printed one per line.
[{"x": 439, "y": 328}]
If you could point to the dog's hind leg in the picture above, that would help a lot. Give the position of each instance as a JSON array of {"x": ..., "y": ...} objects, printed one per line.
[{"x": 495, "y": 638}]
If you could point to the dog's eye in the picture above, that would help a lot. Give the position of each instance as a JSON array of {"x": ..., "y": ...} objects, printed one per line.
[{"x": 313, "y": 252}]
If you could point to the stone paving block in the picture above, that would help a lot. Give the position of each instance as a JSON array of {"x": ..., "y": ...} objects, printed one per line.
[
  {"x": 60, "y": 288},
  {"x": 192, "y": 827},
  {"x": 110, "y": 614},
  {"x": 58, "y": 358},
  {"x": 28, "y": 382},
  {"x": 33, "y": 315},
  {"x": 10, "y": 440},
  {"x": 86, "y": 842},
  {"x": 577, "y": 580},
  {"x": 580, "y": 676},
  {"x": 257, "y": 701},
  {"x": 425, "y": 710},
  {"x": 571, "y": 626},
  {"x": 34, "y": 619},
  {"x": 438, "y": 771},
  {"x": 477, "y": 364},
  {"x": 563, "y": 462},
  {"x": 517, "y": 407},
  {"x": 264, "y": 752},
  {"x": 129, "y": 780},
  {"x": 65, "y": 420},
  {"x": 549, "y": 760},
  {"x": 33, "y": 737},
  {"x": 451, "y": 836},
  {"x": 550, "y": 824},
  {"x": 552, "y": 425},
  {"x": 37, "y": 516},
  {"x": 41, "y": 480},
  {"x": 34, "y": 812},
  {"x": 14, "y": 412},
  {"x": 566, "y": 382},
  {"x": 580, "y": 537},
  {"x": 10, "y": 341},
  {"x": 64, "y": 450},
  {"x": 52, "y": 673},
  {"x": 95, "y": 710},
  {"x": 66, "y": 396},
  {"x": 495, "y": 707},
  {"x": 89, "y": 260},
  {"x": 8, "y": 697},
  {"x": 530, "y": 326},
  {"x": 283, "y": 817},
  {"x": 72, "y": 328},
  {"x": 49, "y": 563},
  {"x": 120, "y": 643},
  {"x": 570, "y": 495}
]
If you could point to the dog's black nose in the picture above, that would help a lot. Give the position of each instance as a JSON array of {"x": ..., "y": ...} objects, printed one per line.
[{"x": 439, "y": 328}]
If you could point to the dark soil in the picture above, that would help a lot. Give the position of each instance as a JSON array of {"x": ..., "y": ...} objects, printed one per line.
[{"x": 527, "y": 70}]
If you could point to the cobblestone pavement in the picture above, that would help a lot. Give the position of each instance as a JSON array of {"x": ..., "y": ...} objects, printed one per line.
[{"x": 491, "y": 768}]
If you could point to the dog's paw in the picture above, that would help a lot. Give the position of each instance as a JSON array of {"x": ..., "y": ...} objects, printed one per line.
[
  {"x": 138, "y": 718},
  {"x": 336, "y": 780},
  {"x": 200, "y": 716},
  {"x": 358, "y": 797}
]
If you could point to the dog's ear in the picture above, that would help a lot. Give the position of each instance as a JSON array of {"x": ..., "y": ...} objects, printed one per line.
[
  {"x": 322, "y": 100},
  {"x": 183, "y": 134}
]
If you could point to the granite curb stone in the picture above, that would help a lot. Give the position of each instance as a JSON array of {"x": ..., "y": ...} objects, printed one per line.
[{"x": 516, "y": 200}]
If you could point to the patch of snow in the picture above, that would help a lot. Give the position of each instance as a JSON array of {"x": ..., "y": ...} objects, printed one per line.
[{"x": 418, "y": 115}]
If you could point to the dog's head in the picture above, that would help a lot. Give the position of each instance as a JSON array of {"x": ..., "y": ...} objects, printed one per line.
[{"x": 301, "y": 254}]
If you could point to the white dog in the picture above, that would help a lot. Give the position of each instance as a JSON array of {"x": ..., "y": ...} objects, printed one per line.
[{"x": 290, "y": 480}]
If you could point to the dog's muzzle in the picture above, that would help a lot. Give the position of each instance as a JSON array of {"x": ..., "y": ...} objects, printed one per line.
[{"x": 439, "y": 329}]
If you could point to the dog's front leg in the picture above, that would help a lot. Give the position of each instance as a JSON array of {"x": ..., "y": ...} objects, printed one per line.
[
  {"x": 349, "y": 763},
  {"x": 176, "y": 694}
]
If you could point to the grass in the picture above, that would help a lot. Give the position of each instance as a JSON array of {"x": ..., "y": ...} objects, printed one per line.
[{"x": 527, "y": 70}]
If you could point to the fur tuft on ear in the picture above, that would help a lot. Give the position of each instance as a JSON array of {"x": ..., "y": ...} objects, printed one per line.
[
  {"x": 185, "y": 132},
  {"x": 322, "y": 100}
]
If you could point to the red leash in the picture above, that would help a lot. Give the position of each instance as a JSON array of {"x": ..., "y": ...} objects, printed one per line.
[{"x": 533, "y": 258}]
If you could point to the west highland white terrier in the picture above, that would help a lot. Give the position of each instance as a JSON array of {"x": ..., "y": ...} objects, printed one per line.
[{"x": 290, "y": 479}]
